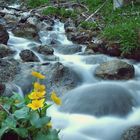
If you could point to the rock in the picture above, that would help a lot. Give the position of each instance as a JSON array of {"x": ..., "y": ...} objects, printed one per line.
[
  {"x": 4, "y": 36},
  {"x": 45, "y": 25},
  {"x": 80, "y": 37},
  {"x": 11, "y": 18},
  {"x": 109, "y": 48},
  {"x": 115, "y": 69},
  {"x": 26, "y": 30},
  {"x": 133, "y": 133},
  {"x": 7, "y": 2},
  {"x": 28, "y": 56},
  {"x": 8, "y": 69},
  {"x": 98, "y": 99},
  {"x": 44, "y": 50},
  {"x": 68, "y": 49},
  {"x": 58, "y": 77},
  {"x": 5, "y": 51},
  {"x": 69, "y": 26},
  {"x": 135, "y": 54},
  {"x": 2, "y": 88}
]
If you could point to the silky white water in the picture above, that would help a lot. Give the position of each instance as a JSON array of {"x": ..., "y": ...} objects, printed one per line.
[{"x": 82, "y": 126}]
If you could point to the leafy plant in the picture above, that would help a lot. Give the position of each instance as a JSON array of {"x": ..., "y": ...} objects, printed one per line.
[{"x": 27, "y": 116}]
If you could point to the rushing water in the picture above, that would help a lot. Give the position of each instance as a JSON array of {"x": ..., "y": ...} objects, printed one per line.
[{"x": 76, "y": 126}]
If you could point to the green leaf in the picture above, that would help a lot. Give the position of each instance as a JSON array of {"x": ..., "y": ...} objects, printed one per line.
[
  {"x": 3, "y": 130},
  {"x": 51, "y": 135},
  {"x": 22, "y": 113},
  {"x": 9, "y": 122},
  {"x": 22, "y": 132},
  {"x": 40, "y": 122},
  {"x": 34, "y": 116},
  {"x": 7, "y": 106},
  {"x": 17, "y": 96},
  {"x": 40, "y": 136},
  {"x": 43, "y": 111}
]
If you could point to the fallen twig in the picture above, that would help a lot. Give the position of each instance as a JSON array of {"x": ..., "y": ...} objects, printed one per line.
[{"x": 96, "y": 11}]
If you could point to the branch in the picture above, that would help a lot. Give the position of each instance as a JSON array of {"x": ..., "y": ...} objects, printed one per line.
[
  {"x": 5, "y": 110},
  {"x": 96, "y": 11}
]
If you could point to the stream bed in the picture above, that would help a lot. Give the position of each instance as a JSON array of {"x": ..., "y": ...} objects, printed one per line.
[
  {"x": 92, "y": 108},
  {"x": 75, "y": 118}
]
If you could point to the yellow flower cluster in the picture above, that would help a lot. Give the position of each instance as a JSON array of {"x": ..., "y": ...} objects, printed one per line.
[{"x": 38, "y": 94}]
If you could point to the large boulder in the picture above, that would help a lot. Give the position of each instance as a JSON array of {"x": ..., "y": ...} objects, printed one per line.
[
  {"x": 4, "y": 36},
  {"x": 26, "y": 30},
  {"x": 115, "y": 69},
  {"x": 58, "y": 77},
  {"x": 99, "y": 100},
  {"x": 8, "y": 70},
  {"x": 132, "y": 133},
  {"x": 5, "y": 51},
  {"x": 28, "y": 56}
]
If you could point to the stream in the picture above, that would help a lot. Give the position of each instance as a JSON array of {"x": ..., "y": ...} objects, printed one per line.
[{"x": 75, "y": 118}]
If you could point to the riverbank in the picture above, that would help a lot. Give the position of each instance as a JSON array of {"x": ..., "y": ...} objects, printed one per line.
[{"x": 97, "y": 25}]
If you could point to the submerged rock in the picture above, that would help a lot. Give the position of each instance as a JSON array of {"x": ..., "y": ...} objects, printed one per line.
[
  {"x": 132, "y": 133},
  {"x": 68, "y": 49},
  {"x": 115, "y": 69},
  {"x": 99, "y": 100},
  {"x": 4, "y": 36},
  {"x": 28, "y": 56}
]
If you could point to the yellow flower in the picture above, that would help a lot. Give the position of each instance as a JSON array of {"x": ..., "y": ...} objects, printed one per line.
[
  {"x": 55, "y": 99},
  {"x": 38, "y": 75},
  {"x": 36, "y": 95},
  {"x": 38, "y": 87},
  {"x": 49, "y": 125},
  {"x": 36, "y": 104},
  {"x": 17, "y": 101}
]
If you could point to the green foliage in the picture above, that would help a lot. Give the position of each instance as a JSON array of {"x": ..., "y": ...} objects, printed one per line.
[
  {"x": 36, "y": 3},
  {"x": 123, "y": 28},
  {"x": 26, "y": 116},
  {"x": 59, "y": 12},
  {"x": 25, "y": 122},
  {"x": 89, "y": 25}
]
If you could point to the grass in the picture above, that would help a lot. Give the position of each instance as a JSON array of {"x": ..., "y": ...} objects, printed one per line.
[
  {"x": 123, "y": 28},
  {"x": 114, "y": 24},
  {"x": 36, "y": 3},
  {"x": 65, "y": 13}
]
